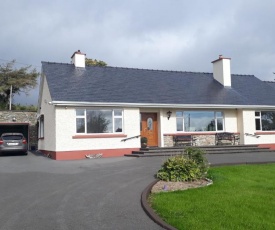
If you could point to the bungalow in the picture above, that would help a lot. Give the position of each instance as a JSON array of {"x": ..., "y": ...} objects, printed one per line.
[{"x": 87, "y": 110}]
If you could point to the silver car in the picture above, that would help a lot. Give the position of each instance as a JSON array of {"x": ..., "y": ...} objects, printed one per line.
[{"x": 13, "y": 142}]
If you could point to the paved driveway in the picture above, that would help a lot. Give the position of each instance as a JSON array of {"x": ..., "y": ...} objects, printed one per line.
[{"x": 39, "y": 193}]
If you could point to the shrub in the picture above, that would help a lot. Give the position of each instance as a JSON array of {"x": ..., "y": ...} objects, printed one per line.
[
  {"x": 20, "y": 107},
  {"x": 185, "y": 167},
  {"x": 197, "y": 155}
]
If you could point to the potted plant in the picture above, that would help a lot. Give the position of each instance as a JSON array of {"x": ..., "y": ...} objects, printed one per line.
[{"x": 143, "y": 141}]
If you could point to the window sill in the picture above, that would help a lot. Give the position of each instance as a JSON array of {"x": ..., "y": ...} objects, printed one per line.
[
  {"x": 196, "y": 133},
  {"x": 265, "y": 133},
  {"x": 112, "y": 135},
  {"x": 189, "y": 133}
]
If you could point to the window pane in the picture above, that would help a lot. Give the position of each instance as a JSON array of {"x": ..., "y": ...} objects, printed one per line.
[
  {"x": 149, "y": 123},
  {"x": 219, "y": 114},
  {"x": 268, "y": 120},
  {"x": 220, "y": 124},
  {"x": 118, "y": 125},
  {"x": 179, "y": 114},
  {"x": 258, "y": 124},
  {"x": 179, "y": 124},
  {"x": 118, "y": 112},
  {"x": 199, "y": 121},
  {"x": 41, "y": 127},
  {"x": 99, "y": 121},
  {"x": 80, "y": 125},
  {"x": 211, "y": 126},
  {"x": 80, "y": 112},
  {"x": 257, "y": 114}
]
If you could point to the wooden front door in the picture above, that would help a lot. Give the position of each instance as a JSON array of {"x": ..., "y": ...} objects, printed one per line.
[{"x": 149, "y": 128}]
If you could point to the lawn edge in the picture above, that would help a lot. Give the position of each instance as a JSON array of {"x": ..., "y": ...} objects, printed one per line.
[{"x": 149, "y": 211}]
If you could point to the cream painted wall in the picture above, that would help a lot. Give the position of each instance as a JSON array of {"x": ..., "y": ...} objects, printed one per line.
[
  {"x": 170, "y": 126},
  {"x": 240, "y": 125},
  {"x": 48, "y": 143},
  {"x": 60, "y": 127},
  {"x": 264, "y": 139},
  {"x": 66, "y": 129},
  {"x": 230, "y": 121},
  {"x": 250, "y": 128},
  {"x": 242, "y": 121},
  {"x": 167, "y": 126}
]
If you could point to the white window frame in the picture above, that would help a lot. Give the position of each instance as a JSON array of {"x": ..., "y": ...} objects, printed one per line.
[
  {"x": 114, "y": 117},
  {"x": 117, "y": 117},
  {"x": 81, "y": 117},
  {"x": 259, "y": 117},
  {"x": 41, "y": 127},
  {"x": 216, "y": 117},
  {"x": 216, "y": 120}
]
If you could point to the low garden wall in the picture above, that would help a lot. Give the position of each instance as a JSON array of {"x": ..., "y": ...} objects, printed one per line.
[{"x": 199, "y": 140}]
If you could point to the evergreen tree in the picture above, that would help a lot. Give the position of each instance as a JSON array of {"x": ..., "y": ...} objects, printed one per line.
[
  {"x": 94, "y": 62},
  {"x": 19, "y": 80}
]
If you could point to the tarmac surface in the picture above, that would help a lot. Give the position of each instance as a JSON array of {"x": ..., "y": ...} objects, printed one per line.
[{"x": 40, "y": 193}]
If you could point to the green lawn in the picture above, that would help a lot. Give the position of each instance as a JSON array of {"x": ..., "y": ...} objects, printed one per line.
[{"x": 241, "y": 197}]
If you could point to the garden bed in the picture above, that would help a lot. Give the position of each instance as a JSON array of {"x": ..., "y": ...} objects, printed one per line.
[{"x": 163, "y": 186}]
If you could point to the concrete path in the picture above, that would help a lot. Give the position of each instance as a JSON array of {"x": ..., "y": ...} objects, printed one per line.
[
  {"x": 40, "y": 193},
  {"x": 243, "y": 158}
]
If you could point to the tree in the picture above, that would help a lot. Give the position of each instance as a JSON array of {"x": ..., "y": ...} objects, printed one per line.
[
  {"x": 19, "y": 80},
  {"x": 97, "y": 122},
  {"x": 94, "y": 62},
  {"x": 268, "y": 120}
]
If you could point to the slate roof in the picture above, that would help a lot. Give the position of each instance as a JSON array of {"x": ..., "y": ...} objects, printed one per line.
[
  {"x": 271, "y": 83},
  {"x": 126, "y": 85}
]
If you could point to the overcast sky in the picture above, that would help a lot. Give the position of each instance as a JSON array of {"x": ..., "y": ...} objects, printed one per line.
[{"x": 151, "y": 34}]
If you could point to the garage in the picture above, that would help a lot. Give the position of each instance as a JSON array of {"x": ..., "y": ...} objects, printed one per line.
[
  {"x": 20, "y": 122},
  {"x": 15, "y": 128}
]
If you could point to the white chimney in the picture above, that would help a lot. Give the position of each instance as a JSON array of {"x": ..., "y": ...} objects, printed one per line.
[
  {"x": 78, "y": 59},
  {"x": 221, "y": 71}
]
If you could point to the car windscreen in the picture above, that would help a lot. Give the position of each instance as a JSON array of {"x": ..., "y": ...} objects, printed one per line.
[{"x": 12, "y": 137}]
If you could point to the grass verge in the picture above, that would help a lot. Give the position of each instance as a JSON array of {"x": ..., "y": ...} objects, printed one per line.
[{"x": 242, "y": 197}]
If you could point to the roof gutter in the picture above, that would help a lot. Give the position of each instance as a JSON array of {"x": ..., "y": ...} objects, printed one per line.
[{"x": 148, "y": 105}]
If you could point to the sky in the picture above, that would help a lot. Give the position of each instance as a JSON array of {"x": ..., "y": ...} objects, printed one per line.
[{"x": 176, "y": 35}]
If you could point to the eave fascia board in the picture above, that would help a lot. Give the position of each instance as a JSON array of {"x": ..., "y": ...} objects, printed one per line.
[{"x": 148, "y": 105}]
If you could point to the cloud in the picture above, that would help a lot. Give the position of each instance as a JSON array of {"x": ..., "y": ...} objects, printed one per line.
[{"x": 175, "y": 35}]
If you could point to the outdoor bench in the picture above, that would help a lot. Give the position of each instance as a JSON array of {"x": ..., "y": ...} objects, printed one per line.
[
  {"x": 184, "y": 140},
  {"x": 225, "y": 138}
]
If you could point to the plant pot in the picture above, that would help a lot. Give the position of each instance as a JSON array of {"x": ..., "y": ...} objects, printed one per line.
[{"x": 143, "y": 145}]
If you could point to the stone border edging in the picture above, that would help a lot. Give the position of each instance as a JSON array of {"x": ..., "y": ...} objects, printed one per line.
[
  {"x": 241, "y": 163},
  {"x": 149, "y": 211}
]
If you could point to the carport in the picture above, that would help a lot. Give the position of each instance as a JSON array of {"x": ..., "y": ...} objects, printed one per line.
[{"x": 15, "y": 128}]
